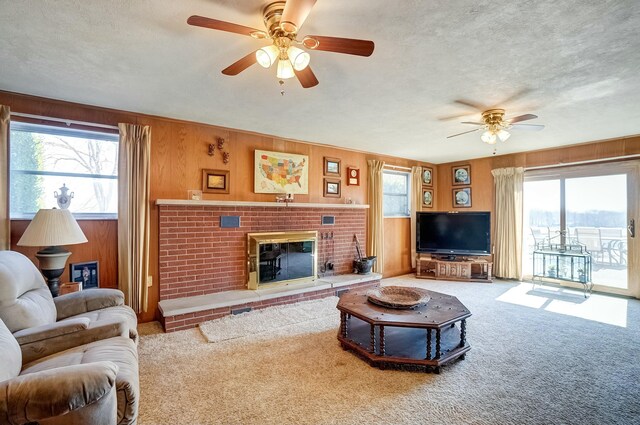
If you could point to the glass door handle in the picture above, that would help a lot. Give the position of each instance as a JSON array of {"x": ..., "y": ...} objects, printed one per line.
[{"x": 632, "y": 228}]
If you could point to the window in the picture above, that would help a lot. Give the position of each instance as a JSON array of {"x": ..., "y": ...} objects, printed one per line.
[
  {"x": 395, "y": 188},
  {"x": 43, "y": 159}
]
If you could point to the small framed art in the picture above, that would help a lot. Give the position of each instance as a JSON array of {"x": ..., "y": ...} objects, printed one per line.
[
  {"x": 461, "y": 175},
  {"x": 331, "y": 188},
  {"x": 427, "y": 198},
  {"x": 353, "y": 176},
  {"x": 331, "y": 167},
  {"x": 427, "y": 176},
  {"x": 85, "y": 273},
  {"x": 215, "y": 181},
  {"x": 462, "y": 197}
]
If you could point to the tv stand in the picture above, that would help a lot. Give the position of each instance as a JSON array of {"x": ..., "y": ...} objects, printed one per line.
[{"x": 467, "y": 268}]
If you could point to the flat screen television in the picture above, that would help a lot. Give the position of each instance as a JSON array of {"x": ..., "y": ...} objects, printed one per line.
[{"x": 464, "y": 233}]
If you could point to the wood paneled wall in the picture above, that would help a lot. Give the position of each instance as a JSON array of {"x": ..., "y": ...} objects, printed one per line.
[
  {"x": 102, "y": 247},
  {"x": 179, "y": 153},
  {"x": 397, "y": 246}
]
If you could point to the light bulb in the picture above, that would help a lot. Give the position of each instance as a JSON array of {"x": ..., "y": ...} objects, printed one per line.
[
  {"x": 267, "y": 56},
  {"x": 488, "y": 137},
  {"x": 503, "y": 135},
  {"x": 285, "y": 70},
  {"x": 299, "y": 58}
]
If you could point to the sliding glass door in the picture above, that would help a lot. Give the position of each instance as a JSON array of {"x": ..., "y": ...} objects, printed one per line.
[{"x": 591, "y": 205}]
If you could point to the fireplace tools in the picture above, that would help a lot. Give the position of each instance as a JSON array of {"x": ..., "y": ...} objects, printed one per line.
[{"x": 362, "y": 265}]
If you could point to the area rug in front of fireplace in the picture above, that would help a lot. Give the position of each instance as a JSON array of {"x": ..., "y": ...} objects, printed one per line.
[{"x": 270, "y": 318}]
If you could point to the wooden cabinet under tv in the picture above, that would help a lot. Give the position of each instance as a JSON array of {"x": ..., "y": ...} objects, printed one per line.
[{"x": 463, "y": 268}]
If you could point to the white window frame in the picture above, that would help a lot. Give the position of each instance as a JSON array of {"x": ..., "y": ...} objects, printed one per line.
[
  {"x": 407, "y": 175},
  {"x": 61, "y": 131}
]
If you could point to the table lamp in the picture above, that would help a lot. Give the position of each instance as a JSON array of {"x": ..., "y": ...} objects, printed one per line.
[{"x": 52, "y": 228}]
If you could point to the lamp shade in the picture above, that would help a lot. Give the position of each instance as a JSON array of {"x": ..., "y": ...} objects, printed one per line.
[
  {"x": 267, "y": 56},
  {"x": 299, "y": 58},
  {"x": 285, "y": 69},
  {"x": 52, "y": 227}
]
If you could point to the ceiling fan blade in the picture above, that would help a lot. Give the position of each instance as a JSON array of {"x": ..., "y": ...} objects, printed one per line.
[
  {"x": 295, "y": 13},
  {"x": 517, "y": 95},
  {"x": 306, "y": 77},
  {"x": 471, "y": 104},
  {"x": 349, "y": 46},
  {"x": 214, "y": 24},
  {"x": 239, "y": 66},
  {"x": 465, "y": 132},
  {"x": 472, "y": 123},
  {"x": 532, "y": 127},
  {"x": 519, "y": 118},
  {"x": 455, "y": 117}
]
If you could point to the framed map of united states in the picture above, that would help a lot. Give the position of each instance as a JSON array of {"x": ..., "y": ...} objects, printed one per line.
[{"x": 279, "y": 172}]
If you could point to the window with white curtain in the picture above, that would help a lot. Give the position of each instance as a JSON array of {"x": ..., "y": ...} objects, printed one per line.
[
  {"x": 43, "y": 159},
  {"x": 396, "y": 187}
]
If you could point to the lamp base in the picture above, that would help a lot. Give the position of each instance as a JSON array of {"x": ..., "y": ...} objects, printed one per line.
[{"x": 52, "y": 262}]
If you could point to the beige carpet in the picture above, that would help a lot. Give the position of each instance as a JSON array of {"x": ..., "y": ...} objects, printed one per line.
[
  {"x": 268, "y": 319},
  {"x": 527, "y": 365}
]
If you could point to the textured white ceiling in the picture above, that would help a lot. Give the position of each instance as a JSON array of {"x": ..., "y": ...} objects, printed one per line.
[{"x": 575, "y": 64}]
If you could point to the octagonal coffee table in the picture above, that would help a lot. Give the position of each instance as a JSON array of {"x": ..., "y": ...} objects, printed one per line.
[{"x": 423, "y": 338}]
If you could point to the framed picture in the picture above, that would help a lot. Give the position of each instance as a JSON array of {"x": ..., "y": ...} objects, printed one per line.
[
  {"x": 462, "y": 197},
  {"x": 331, "y": 188},
  {"x": 427, "y": 198},
  {"x": 331, "y": 167},
  {"x": 461, "y": 175},
  {"x": 215, "y": 181},
  {"x": 427, "y": 176},
  {"x": 353, "y": 176},
  {"x": 279, "y": 172},
  {"x": 86, "y": 273}
]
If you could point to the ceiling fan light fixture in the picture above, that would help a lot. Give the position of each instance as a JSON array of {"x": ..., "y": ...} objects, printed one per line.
[
  {"x": 299, "y": 58},
  {"x": 489, "y": 137},
  {"x": 267, "y": 56},
  {"x": 503, "y": 135},
  {"x": 285, "y": 69}
]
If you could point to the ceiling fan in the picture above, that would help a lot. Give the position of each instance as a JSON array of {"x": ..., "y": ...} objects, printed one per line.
[
  {"x": 496, "y": 127},
  {"x": 283, "y": 20}
]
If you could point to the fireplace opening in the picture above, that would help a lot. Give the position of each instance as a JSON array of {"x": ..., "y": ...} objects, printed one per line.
[{"x": 281, "y": 257}]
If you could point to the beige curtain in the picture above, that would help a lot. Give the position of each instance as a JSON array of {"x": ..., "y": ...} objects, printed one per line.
[
  {"x": 5, "y": 224},
  {"x": 375, "y": 221},
  {"x": 508, "y": 222},
  {"x": 134, "y": 156},
  {"x": 416, "y": 205}
]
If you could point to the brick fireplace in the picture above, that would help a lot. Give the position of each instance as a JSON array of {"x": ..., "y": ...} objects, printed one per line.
[{"x": 198, "y": 256}]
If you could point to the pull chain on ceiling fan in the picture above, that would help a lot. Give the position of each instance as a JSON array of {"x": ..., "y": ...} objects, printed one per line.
[{"x": 283, "y": 20}]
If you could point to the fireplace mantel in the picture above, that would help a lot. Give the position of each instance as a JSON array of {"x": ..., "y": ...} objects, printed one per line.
[{"x": 190, "y": 203}]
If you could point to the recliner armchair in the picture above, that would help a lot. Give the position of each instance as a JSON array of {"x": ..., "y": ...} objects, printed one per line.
[
  {"x": 43, "y": 325},
  {"x": 93, "y": 384}
]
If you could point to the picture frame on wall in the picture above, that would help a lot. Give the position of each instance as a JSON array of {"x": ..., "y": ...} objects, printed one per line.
[
  {"x": 87, "y": 273},
  {"x": 215, "y": 181},
  {"x": 332, "y": 188},
  {"x": 461, "y": 175},
  {"x": 331, "y": 166},
  {"x": 427, "y": 198},
  {"x": 462, "y": 197},
  {"x": 280, "y": 172},
  {"x": 353, "y": 176},
  {"x": 427, "y": 176}
]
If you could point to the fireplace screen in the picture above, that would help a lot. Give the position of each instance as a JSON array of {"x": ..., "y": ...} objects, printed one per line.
[{"x": 281, "y": 257}]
